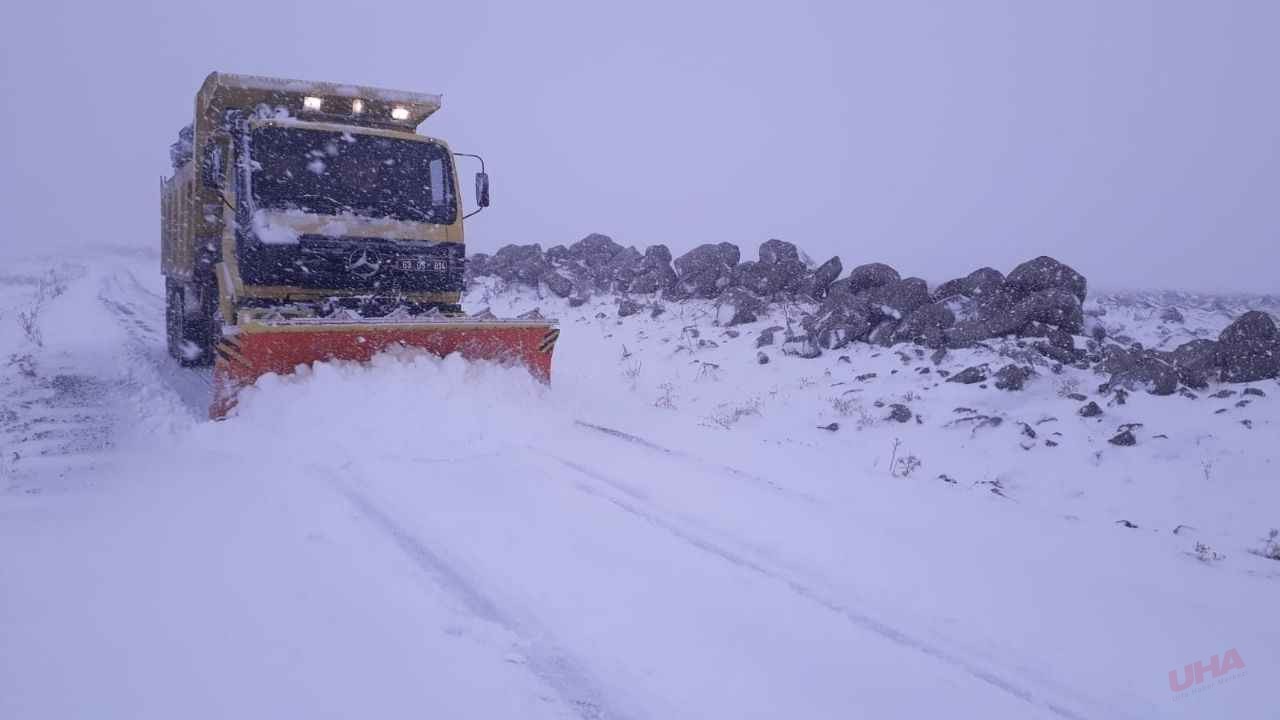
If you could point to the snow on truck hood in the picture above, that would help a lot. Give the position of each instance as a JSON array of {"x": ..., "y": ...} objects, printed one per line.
[{"x": 286, "y": 227}]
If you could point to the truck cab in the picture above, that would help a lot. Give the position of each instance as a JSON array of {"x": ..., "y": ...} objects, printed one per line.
[{"x": 303, "y": 199}]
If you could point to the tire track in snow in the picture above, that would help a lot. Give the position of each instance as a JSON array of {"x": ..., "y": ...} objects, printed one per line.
[
  {"x": 566, "y": 676},
  {"x": 632, "y": 505},
  {"x": 695, "y": 460}
]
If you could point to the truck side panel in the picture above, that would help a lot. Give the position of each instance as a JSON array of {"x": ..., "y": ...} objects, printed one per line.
[{"x": 178, "y": 205}]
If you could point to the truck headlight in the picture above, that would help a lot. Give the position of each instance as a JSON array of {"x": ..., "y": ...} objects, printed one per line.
[
  {"x": 312, "y": 103},
  {"x": 399, "y": 113},
  {"x": 357, "y": 106}
]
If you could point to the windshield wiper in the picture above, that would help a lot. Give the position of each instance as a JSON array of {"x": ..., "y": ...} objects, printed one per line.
[
  {"x": 428, "y": 216},
  {"x": 334, "y": 205}
]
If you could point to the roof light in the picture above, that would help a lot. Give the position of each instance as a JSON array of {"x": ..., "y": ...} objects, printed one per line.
[
  {"x": 399, "y": 113},
  {"x": 357, "y": 106},
  {"x": 312, "y": 103}
]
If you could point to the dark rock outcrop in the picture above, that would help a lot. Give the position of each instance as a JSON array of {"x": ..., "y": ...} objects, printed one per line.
[
  {"x": 925, "y": 325},
  {"x": 899, "y": 413},
  {"x": 871, "y": 275},
  {"x": 1151, "y": 374},
  {"x": 1196, "y": 362},
  {"x": 706, "y": 270},
  {"x": 1045, "y": 273},
  {"x": 1013, "y": 377},
  {"x": 738, "y": 305},
  {"x": 983, "y": 281},
  {"x": 816, "y": 284},
  {"x": 970, "y": 375},
  {"x": 1249, "y": 349},
  {"x": 897, "y": 298},
  {"x": 841, "y": 319},
  {"x": 766, "y": 335}
]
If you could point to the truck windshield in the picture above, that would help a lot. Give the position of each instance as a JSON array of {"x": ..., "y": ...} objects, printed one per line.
[{"x": 335, "y": 173}]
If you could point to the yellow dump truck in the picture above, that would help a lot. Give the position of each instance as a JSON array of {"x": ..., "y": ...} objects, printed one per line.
[{"x": 309, "y": 221}]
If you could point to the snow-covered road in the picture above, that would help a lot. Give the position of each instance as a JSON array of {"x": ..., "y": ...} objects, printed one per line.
[{"x": 423, "y": 538}]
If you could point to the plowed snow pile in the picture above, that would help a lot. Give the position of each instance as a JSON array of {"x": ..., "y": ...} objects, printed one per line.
[{"x": 667, "y": 531}]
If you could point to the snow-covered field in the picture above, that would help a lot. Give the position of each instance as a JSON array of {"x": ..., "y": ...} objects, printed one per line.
[{"x": 671, "y": 530}]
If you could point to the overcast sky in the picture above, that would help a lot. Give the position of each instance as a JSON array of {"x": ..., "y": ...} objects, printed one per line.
[{"x": 1137, "y": 141}]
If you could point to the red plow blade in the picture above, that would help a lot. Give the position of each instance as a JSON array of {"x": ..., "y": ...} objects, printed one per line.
[{"x": 269, "y": 347}]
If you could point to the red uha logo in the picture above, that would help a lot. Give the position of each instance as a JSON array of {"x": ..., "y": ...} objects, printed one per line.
[{"x": 1196, "y": 673}]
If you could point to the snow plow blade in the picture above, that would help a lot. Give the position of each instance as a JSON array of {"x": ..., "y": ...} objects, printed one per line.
[{"x": 279, "y": 346}]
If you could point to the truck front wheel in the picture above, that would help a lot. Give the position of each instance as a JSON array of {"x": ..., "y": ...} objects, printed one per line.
[{"x": 189, "y": 325}]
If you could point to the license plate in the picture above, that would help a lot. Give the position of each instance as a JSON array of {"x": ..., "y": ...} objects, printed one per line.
[{"x": 421, "y": 265}]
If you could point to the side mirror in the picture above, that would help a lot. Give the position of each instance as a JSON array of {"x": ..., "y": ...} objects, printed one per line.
[
  {"x": 482, "y": 189},
  {"x": 211, "y": 169}
]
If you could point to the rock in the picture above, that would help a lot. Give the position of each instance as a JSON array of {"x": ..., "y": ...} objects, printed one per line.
[
  {"x": 882, "y": 334},
  {"x": 1254, "y": 391},
  {"x": 645, "y": 284},
  {"x": 1171, "y": 315},
  {"x": 938, "y": 356},
  {"x": 766, "y": 335},
  {"x": 578, "y": 301},
  {"x": 557, "y": 255},
  {"x": 775, "y": 251},
  {"x": 925, "y": 324},
  {"x": 778, "y": 270},
  {"x": 1090, "y": 409},
  {"x": 1249, "y": 349},
  {"x": 729, "y": 253},
  {"x": 1078, "y": 397},
  {"x": 1012, "y": 377},
  {"x": 830, "y": 426},
  {"x": 706, "y": 270},
  {"x": 897, "y": 298},
  {"x": 865, "y": 377},
  {"x": 982, "y": 281},
  {"x": 1054, "y": 307},
  {"x": 628, "y": 307},
  {"x": 1056, "y": 336},
  {"x": 841, "y": 319},
  {"x": 657, "y": 309},
  {"x": 594, "y": 251},
  {"x": 1124, "y": 438},
  {"x": 1151, "y": 374},
  {"x": 762, "y": 358},
  {"x": 1223, "y": 394},
  {"x": 558, "y": 284},
  {"x": 899, "y": 413},
  {"x": 477, "y": 265},
  {"x": 817, "y": 285},
  {"x": 1066, "y": 357},
  {"x": 738, "y": 305},
  {"x": 970, "y": 375},
  {"x": 801, "y": 346},
  {"x": 619, "y": 272},
  {"x": 871, "y": 275},
  {"x": 1045, "y": 273},
  {"x": 999, "y": 314},
  {"x": 655, "y": 272},
  {"x": 1195, "y": 361},
  {"x": 769, "y": 279},
  {"x": 1095, "y": 329},
  {"x": 523, "y": 264}
]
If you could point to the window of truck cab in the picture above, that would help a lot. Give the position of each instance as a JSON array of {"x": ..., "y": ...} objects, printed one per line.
[{"x": 331, "y": 170}]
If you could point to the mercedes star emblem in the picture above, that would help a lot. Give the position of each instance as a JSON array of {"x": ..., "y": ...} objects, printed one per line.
[{"x": 364, "y": 263}]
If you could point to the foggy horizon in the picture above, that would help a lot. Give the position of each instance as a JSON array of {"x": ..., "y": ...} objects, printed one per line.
[{"x": 1138, "y": 142}]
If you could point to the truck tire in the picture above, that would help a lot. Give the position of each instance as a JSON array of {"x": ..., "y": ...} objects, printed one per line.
[{"x": 189, "y": 323}]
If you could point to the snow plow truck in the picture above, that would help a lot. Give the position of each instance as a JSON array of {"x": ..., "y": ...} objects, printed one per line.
[{"x": 309, "y": 221}]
